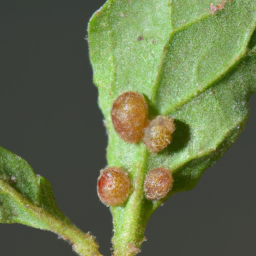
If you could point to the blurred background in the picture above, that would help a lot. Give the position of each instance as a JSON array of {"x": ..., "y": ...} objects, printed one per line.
[{"x": 49, "y": 116}]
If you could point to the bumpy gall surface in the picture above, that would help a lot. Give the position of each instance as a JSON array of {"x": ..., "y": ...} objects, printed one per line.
[
  {"x": 113, "y": 186},
  {"x": 158, "y": 134},
  {"x": 158, "y": 183},
  {"x": 129, "y": 116}
]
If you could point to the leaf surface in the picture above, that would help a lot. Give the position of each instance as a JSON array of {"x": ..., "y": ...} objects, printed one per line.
[{"x": 193, "y": 66}]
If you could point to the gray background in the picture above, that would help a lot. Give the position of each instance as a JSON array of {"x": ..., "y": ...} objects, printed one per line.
[{"x": 49, "y": 116}]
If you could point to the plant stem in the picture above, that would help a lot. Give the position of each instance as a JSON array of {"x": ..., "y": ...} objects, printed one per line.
[
  {"x": 130, "y": 220},
  {"x": 38, "y": 217}
]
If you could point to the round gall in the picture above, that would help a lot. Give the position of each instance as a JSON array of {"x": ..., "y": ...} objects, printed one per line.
[
  {"x": 158, "y": 134},
  {"x": 113, "y": 186},
  {"x": 129, "y": 116},
  {"x": 158, "y": 183}
]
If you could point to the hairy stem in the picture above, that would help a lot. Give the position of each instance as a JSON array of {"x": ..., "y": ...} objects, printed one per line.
[
  {"x": 130, "y": 220},
  {"x": 83, "y": 244}
]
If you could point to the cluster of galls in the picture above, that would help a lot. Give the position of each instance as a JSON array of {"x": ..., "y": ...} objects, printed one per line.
[
  {"x": 114, "y": 185},
  {"x": 130, "y": 120}
]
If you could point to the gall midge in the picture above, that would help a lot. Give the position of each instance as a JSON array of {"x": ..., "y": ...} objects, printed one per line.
[
  {"x": 113, "y": 186},
  {"x": 158, "y": 183},
  {"x": 129, "y": 116}
]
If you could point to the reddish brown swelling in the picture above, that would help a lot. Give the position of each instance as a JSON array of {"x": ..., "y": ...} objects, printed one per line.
[
  {"x": 129, "y": 116},
  {"x": 158, "y": 183},
  {"x": 158, "y": 134},
  {"x": 113, "y": 186}
]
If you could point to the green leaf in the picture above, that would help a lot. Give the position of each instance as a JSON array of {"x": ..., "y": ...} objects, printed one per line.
[
  {"x": 28, "y": 199},
  {"x": 193, "y": 66}
]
